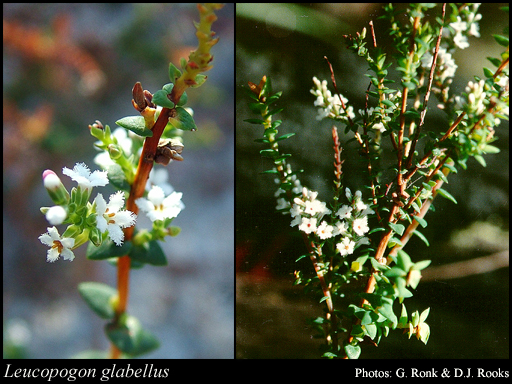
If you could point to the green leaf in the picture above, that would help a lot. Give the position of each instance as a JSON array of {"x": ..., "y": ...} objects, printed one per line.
[
  {"x": 488, "y": 72},
  {"x": 149, "y": 253},
  {"x": 274, "y": 111},
  {"x": 387, "y": 311},
  {"x": 422, "y": 237},
  {"x": 255, "y": 121},
  {"x": 501, "y": 40},
  {"x": 107, "y": 250},
  {"x": 136, "y": 124},
  {"x": 283, "y": 137},
  {"x": 421, "y": 221},
  {"x": 117, "y": 177},
  {"x": 200, "y": 79},
  {"x": 353, "y": 351},
  {"x": 269, "y": 153},
  {"x": 130, "y": 337},
  {"x": 371, "y": 330},
  {"x": 398, "y": 228},
  {"x": 490, "y": 149},
  {"x": 160, "y": 98},
  {"x": 183, "y": 120},
  {"x": 99, "y": 298},
  {"x": 422, "y": 264},
  {"x": 446, "y": 195},
  {"x": 174, "y": 73}
]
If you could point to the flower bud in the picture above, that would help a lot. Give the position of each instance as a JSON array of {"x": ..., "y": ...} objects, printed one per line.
[
  {"x": 56, "y": 215},
  {"x": 55, "y": 188},
  {"x": 114, "y": 151}
]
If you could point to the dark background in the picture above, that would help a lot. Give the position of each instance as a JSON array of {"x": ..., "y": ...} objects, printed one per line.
[
  {"x": 49, "y": 100},
  {"x": 469, "y": 310}
]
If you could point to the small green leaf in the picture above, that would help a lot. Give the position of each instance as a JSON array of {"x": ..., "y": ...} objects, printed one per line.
[
  {"x": 422, "y": 237},
  {"x": 183, "y": 120},
  {"x": 446, "y": 195},
  {"x": 283, "y": 137},
  {"x": 117, "y": 177},
  {"x": 269, "y": 153},
  {"x": 398, "y": 228},
  {"x": 174, "y": 73},
  {"x": 150, "y": 253},
  {"x": 501, "y": 40},
  {"x": 421, "y": 221},
  {"x": 353, "y": 351},
  {"x": 160, "y": 98},
  {"x": 200, "y": 79},
  {"x": 135, "y": 124},
  {"x": 130, "y": 337},
  {"x": 107, "y": 250},
  {"x": 254, "y": 121},
  {"x": 490, "y": 149},
  {"x": 99, "y": 298},
  {"x": 422, "y": 264}
]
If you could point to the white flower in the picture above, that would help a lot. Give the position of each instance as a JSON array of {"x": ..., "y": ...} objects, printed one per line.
[
  {"x": 360, "y": 225},
  {"x": 112, "y": 218},
  {"x": 379, "y": 127},
  {"x": 459, "y": 25},
  {"x": 296, "y": 221},
  {"x": 340, "y": 229},
  {"x": 308, "y": 225},
  {"x": 461, "y": 41},
  {"x": 346, "y": 247},
  {"x": 282, "y": 203},
  {"x": 344, "y": 212},
  {"x": 56, "y": 215},
  {"x": 295, "y": 210},
  {"x": 82, "y": 175},
  {"x": 159, "y": 207},
  {"x": 316, "y": 207},
  {"x": 324, "y": 231},
  {"x": 58, "y": 246}
]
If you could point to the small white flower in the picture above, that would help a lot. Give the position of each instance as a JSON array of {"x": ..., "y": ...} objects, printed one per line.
[
  {"x": 58, "y": 246},
  {"x": 461, "y": 41},
  {"x": 459, "y": 25},
  {"x": 296, "y": 221},
  {"x": 346, "y": 247},
  {"x": 112, "y": 218},
  {"x": 379, "y": 127},
  {"x": 282, "y": 203},
  {"x": 56, "y": 215},
  {"x": 344, "y": 212},
  {"x": 324, "y": 231},
  {"x": 83, "y": 176},
  {"x": 308, "y": 225},
  {"x": 295, "y": 210},
  {"x": 339, "y": 229},
  {"x": 316, "y": 207},
  {"x": 360, "y": 226},
  {"x": 159, "y": 207}
]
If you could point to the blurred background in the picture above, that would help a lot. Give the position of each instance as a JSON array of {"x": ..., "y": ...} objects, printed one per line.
[
  {"x": 467, "y": 284},
  {"x": 66, "y": 65}
]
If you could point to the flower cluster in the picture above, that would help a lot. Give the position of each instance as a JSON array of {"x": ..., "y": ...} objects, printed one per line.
[
  {"x": 330, "y": 106},
  {"x": 94, "y": 221},
  {"x": 466, "y": 24},
  {"x": 351, "y": 221},
  {"x": 86, "y": 221},
  {"x": 475, "y": 98}
]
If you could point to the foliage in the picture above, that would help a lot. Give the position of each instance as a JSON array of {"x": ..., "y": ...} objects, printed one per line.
[
  {"x": 127, "y": 156},
  {"x": 362, "y": 238}
]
